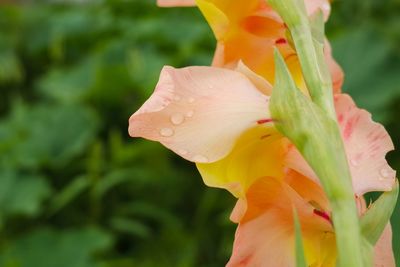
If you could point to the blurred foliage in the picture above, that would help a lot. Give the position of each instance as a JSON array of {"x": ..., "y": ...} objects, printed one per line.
[{"x": 74, "y": 189}]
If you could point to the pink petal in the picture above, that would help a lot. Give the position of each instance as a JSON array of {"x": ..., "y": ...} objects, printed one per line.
[
  {"x": 313, "y": 6},
  {"x": 239, "y": 210},
  {"x": 366, "y": 143},
  {"x": 334, "y": 68},
  {"x": 383, "y": 249},
  {"x": 174, "y": 3},
  {"x": 262, "y": 242},
  {"x": 265, "y": 235},
  {"x": 199, "y": 112},
  {"x": 263, "y": 85}
]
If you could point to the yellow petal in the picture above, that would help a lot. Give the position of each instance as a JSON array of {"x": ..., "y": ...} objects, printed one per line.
[{"x": 259, "y": 152}]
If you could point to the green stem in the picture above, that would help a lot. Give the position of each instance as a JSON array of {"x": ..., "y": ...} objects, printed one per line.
[
  {"x": 315, "y": 72},
  {"x": 336, "y": 179}
]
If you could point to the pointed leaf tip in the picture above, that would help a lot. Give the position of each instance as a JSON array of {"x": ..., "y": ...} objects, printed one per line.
[
  {"x": 283, "y": 78},
  {"x": 300, "y": 258},
  {"x": 375, "y": 219}
]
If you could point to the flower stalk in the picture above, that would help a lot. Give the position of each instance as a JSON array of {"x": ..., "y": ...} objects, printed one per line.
[
  {"x": 313, "y": 128},
  {"x": 310, "y": 51}
]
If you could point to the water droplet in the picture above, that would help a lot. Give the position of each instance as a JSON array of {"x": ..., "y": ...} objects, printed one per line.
[
  {"x": 182, "y": 152},
  {"x": 177, "y": 98},
  {"x": 200, "y": 158},
  {"x": 177, "y": 118},
  {"x": 189, "y": 114},
  {"x": 385, "y": 173},
  {"x": 167, "y": 132},
  {"x": 190, "y": 99},
  {"x": 326, "y": 7},
  {"x": 354, "y": 163}
]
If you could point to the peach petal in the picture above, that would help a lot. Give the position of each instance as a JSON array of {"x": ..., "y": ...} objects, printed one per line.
[
  {"x": 175, "y": 3},
  {"x": 313, "y": 6},
  {"x": 336, "y": 71},
  {"x": 265, "y": 235},
  {"x": 366, "y": 143},
  {"x": 199, "y": 112},
  {"x": 262, "y": 242},
  {"x": 383, "y": 251},
  {"x": 263, "y": 85}
]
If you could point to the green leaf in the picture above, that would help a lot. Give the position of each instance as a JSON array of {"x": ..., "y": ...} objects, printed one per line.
[
  {"x": 10, "y": 67},
  {"x": 68, "y": 85},
  {"x": 69, "y": 193},
  {"x": 377, "y": 216},
  {"x": 300, "y": 256},
  {"x": 45, "y": 135},
  {"x": 367, "y": 251},
  {"x": 21, "y": 194},
  {"x": 130, "y": 226},
  {"x": 50, "y": 248}
]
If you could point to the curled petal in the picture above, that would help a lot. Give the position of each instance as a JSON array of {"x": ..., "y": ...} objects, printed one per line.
[
  {"x": 366, "y": 143},
  {"x": 265, "y": 235},
  {"x": 174, "y": 3},
  {"x": 216, "y": 18},
  {"x": 199, "y": 112},
  {"x": 263, "y": 85}
]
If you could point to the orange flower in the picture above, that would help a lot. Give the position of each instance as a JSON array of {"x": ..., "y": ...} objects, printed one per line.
[
  {"x": 219, "y": 119},
  {"x": 248, "y": 31},
  {"x": 265, "y": 235}
]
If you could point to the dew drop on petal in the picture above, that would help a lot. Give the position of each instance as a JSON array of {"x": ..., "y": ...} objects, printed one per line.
[
  {"x": 189, "y": 114},
  {"x": 166, "y": 132},
  {"x": 354, "y": 163},
  {"x": 385, "y": 173},
  {"x": 200, "y": 158},
  {"x": 177, "y": 118}
]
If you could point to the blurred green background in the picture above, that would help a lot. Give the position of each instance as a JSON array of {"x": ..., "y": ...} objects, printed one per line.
[{"x": 75, "y": 190}]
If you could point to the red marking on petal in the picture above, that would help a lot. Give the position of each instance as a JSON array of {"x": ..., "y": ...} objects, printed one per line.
[
  {"x": 340, "y": 118},
  {"x": 265, "y": 136},
  {"x": 348, "y": 129},
  {"x": 281, "y": 41},
  {"x": 323, "y": 215},
  {"x": 245, "y": 261},
  {"x": 264, "y": 121}
]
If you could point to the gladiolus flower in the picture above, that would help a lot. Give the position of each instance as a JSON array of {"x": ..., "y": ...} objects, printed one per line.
[
  {"x": 265, "y": 235},
  {"x": 248, "y": 31},
  {"x": 220, "y": 119}
]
